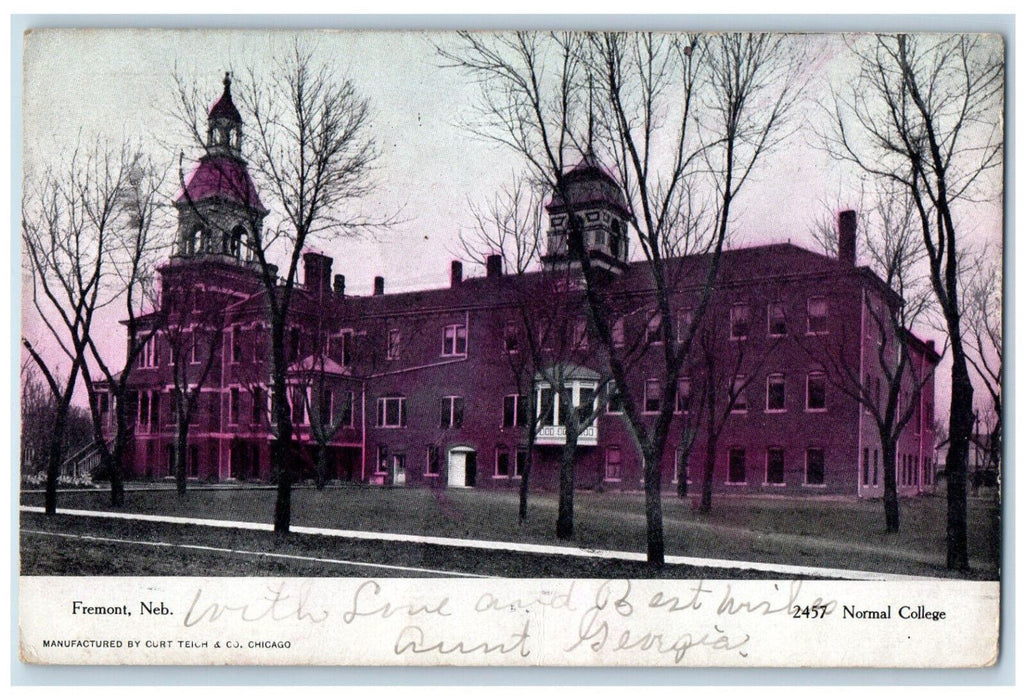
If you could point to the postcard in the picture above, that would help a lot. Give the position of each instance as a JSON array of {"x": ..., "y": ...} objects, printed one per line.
[{"x": 581, "y": 348}]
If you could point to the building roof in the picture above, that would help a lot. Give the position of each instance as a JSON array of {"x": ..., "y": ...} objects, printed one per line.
[{"x": 221, "y": 177}]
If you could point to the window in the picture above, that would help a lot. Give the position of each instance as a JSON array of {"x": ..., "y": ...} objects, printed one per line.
[
  {"x": 865, "y": 466},
  {"x": 815, "y": 399},
  {"x": 514, "y": 411},
  {"x": 511, "y": 340},
  {"x": 143, "y": 419},
  {"x": 739, "y": 316},
  {"x": 614, "y": 402},
  {"x": 502, "y": 464},
  {"x": 653, "y": 389},
  {"x": 775, "y": 465},
  {"x": 613, "y": 467},
  {"x": 298, "y": 399},
  {"x": 684, "y": 320},
  {"x": 233, "y": 406},
  {"x": 451, "y": 412},
  {"x": 814, "y": 466},
  {"x": 392, "y": 344},
  {"x": 194, "y": 352},
  {"x": 342, "y": 412},
  {"x": 683, "y": 395},
  {"x": 776, "y": 320},
  {"x": 654, "y": 330},
  {"x": 454, "y": 340},
  {"x": 617, "y": 333},
  {"x": 258, "y": 405},
  {"x": 236, "y": 344},
  {"x": 155, "y": 412},
  {"x": 433, "y": 464},
  {"x": 148, "y": 353},
  {"x": 736, "y": 466},
  {"x": 817, "y": 307},
  {"x": 546, "y": 406},
  {"x": 381, "y": 465},
  {"x": 340, "y": 347},
  {"x": 295, "y": 344},
  {"x": 738, "y": 392},
  {"x": 103, "y": 402},
  {"x": 585, "y": 403},
  {"x": 876, "y": 467},
  {"x": 520, "y": 463},
  {"x": 775, "y": 393},
  {"x": 391, "y": 412}
]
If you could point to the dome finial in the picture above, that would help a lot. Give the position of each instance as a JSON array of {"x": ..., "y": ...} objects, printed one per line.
[{"x": 227, "y": 80}]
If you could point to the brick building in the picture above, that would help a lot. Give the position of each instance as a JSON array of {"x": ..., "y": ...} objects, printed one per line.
[{"x": 431, "y": 387}]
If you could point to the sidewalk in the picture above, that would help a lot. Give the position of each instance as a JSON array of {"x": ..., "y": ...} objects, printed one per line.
[{"x": 526, "y": 548}]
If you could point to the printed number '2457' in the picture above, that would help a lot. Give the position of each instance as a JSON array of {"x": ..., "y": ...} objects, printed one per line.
[{"x": 809, "y": 611}]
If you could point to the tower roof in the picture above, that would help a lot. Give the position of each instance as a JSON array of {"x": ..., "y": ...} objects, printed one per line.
[
  {"x": 222, "y": 178},
  {"x": 589, "y": 183},
  {"x": 225, "y": 108}
]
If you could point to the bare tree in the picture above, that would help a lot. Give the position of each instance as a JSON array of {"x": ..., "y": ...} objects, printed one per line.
[
  {"x": 38, "y": 412},
  {"x": 888, "y": 384},
  {"x": 724, "y": 370},
  {"x": 313, "y": 152},
  {"x": 71, "y": 214},
  {"x": 193, "y": 323},
  {"x": 671, "y": 108},
  {"x": 511, "y": 224},
  {"x": 984, "y": 350},
  {"x": 925, "y": 113},
  {"x": 134, "y": 247}
]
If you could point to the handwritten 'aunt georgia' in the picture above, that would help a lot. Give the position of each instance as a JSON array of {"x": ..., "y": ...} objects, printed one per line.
[{"x": 411, "y": 639}]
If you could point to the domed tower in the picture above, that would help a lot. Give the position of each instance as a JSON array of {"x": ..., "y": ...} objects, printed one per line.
[
  {"x": 219, "y": 211},
  {"x": 594, "y": 199}
]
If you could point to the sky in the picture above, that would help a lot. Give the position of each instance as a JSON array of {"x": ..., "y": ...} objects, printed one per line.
[{"x": 119, "y": 84}]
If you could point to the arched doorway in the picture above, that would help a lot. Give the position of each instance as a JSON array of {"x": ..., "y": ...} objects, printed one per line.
[{"x": 462, "y": 467}]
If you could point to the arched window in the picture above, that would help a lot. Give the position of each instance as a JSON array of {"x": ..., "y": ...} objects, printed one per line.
[
  {"x": 238, "y": 241},
  {"x": 194, "y": 243}
]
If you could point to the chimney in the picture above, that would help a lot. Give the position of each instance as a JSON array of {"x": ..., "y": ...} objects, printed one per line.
[
  {"x": 493, "y": 266},
  {"x": 340, "y": 285},
  {"x": 379, "y": 286},
  {"x": 846, "y": 222},
  {"x": 455, "y": 273},
  {"x": 317, "y": 272}
]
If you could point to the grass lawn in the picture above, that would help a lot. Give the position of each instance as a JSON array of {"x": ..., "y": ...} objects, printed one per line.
[
  {"x": 832, "y": 532},
  {"x": 264, "y": 554}
]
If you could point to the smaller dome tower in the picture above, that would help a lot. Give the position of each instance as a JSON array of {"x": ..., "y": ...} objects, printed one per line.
[
  {"x": 595, "y": 201},
  {"x": 219, "y": 210}
]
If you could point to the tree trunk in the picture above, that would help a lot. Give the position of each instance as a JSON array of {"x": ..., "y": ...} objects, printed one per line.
[
  {"x": 53, "y": 466},
  {"x": 565, "y": 521},
  {"x": 710, "y": 468},
  {"x": 960, "y": 429},
  {"x": 654, "y": 511},
  {"x": 682, "y": 472},
  {"x": 322, "y": 466},
  {"x": 181, "y": 450},
  {"x": 115, "y": 457},
  {"x": 890, "y": 468},
  {"x": 281, "y": 453},
  {"x": 526, "y": 475}
]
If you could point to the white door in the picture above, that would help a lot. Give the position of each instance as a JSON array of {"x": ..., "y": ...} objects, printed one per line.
[
  {"x": 457, "y": 469},
  {"x": 399, "y": 470}
]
